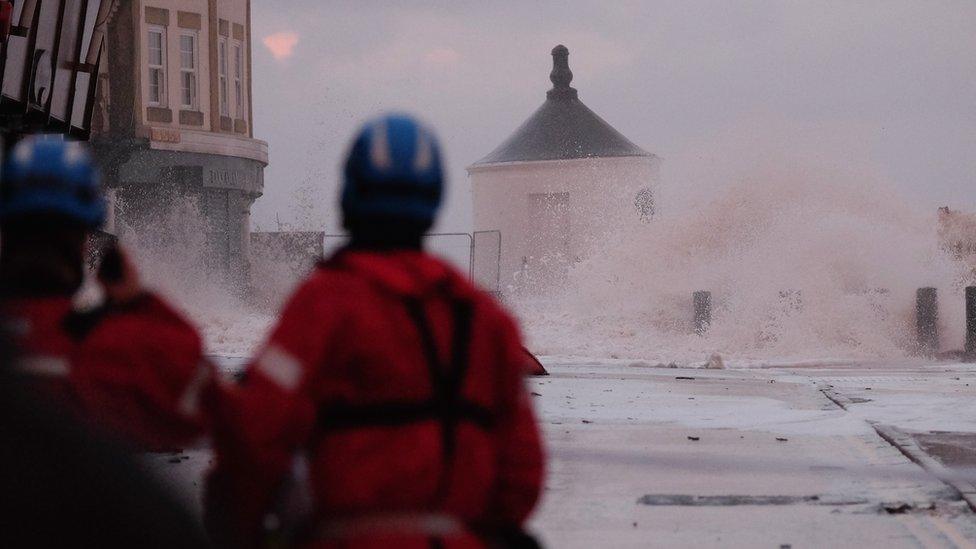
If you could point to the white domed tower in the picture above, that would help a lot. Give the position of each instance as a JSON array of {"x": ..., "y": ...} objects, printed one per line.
[{"x": 555, "y": 187}]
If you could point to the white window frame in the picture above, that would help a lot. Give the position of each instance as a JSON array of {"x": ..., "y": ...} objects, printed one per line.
[
  {"x": 159, "y": 101},
  {"x": 194, "y": 71},
  {"x": 239, "y": 100},
  {"x": 222, "y": 76}
]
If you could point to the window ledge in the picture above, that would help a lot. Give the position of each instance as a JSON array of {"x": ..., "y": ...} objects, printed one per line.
[
  {"x": 205, "y": 142},
  {"x": 191, "y": 118},
  {"x": 161, "y": 115}
]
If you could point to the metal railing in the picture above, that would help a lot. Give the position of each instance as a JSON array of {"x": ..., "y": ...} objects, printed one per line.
[{"x": 484, "y": 253}]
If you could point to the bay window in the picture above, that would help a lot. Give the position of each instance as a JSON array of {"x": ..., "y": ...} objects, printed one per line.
[
  {"x": 222, "y": 72},
  {"x": 238, "y": 80},
  {"x": 188, "y": 71},
  {"x": 156, "y": 47}
]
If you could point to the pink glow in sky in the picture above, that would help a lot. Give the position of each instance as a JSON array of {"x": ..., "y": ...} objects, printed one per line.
[
  {"x": 442, "y": 56},
  {"x": 281, "y": 44}
]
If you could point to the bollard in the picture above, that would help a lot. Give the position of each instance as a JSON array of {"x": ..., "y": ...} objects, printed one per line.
[
  {"x": 927, "y": 320},
  {"x": 970, "y": 322},
  {"x": 703, "y": 311}
]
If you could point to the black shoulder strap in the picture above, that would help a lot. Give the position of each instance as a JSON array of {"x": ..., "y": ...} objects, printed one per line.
[
  {"x": 447, "y": 381},
  {"x": 438, "y": 374},
  {"x": 461, "y": 347}
]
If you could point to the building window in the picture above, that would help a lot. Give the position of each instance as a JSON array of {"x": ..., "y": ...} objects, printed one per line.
[
  {"x": 157, "y": 66},
  {"x": 188, "y": 71},
  {"x": 238, "y": 79},
  {"x": 222, "y": 71}
]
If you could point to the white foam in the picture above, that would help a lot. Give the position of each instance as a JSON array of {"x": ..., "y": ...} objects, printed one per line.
[
  {"x": 846, "y": 241},
  {"x": 175, "y": 263}
]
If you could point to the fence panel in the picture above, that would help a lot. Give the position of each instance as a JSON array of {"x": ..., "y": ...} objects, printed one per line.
[
  {"x": 486, "y": 260},
  {"x": 456, "y": 248}
]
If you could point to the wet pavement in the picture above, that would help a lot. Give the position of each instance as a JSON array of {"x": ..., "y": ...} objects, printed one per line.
[
  {"x": 842, "y": 455},
  {"x": 643, "y": 456},
  {"x": 954, "y": 450}
]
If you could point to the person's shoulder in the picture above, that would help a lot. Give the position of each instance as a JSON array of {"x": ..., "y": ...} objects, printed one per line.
[
  {"x": 149, "y": 326},
  {"x": 327, "y": 291},
  {"x": 328, "y": 276}
]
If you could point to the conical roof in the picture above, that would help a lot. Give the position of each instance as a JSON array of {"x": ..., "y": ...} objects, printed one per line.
[{"x": 563, "y": 127}]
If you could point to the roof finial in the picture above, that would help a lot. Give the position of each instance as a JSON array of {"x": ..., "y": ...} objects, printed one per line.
[{"x": 561, "y": 76}]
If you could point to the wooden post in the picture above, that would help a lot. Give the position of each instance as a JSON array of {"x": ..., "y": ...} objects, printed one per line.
[
  {"x": 703, "y": 311},
  {"x": 970, "y": 322},
  {"x": 927, "y": 320}
]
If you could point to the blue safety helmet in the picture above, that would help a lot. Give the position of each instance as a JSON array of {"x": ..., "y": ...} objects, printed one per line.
[
  {"x": 393, "y": 173},
  {"x": 47, "y": 175}
]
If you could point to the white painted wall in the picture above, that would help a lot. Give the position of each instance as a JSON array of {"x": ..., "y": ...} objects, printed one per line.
[{"x": 544, "y": 230}]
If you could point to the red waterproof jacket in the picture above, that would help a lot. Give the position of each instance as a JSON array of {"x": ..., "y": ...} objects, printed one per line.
[
  {"x": 402, "y": 384},
  {"x": 136, "y": 370},
  {"x": 43, "y": 346}
]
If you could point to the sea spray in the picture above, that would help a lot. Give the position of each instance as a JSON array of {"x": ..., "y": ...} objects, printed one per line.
[
  {"x": 801, "y": 263},
  {"x": 174, "y": 259}
]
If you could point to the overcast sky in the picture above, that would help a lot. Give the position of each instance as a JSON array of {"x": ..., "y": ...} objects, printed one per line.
[{"x": 888, "y": 84}]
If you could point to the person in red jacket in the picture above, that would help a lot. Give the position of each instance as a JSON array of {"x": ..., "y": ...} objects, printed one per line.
[
  {"x": 393, "y": 382},
  {"x": 132, "y": 366}
]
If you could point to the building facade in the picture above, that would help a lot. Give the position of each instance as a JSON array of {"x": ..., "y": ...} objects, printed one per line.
[
  {"x": 173, "y": 122},
  {"x": 555, "y": 187}
]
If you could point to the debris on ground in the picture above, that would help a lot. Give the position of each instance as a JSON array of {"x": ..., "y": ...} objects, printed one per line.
[
  {"x": 715, "y": 362},
  {"x": 896, "y": 508}
]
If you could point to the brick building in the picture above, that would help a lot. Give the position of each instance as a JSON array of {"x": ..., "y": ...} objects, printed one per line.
[{"x": 173, "y": 121}]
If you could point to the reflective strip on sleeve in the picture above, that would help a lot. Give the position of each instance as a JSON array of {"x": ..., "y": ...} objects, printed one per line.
[
  {"x": 45, "y": 366},
  {"x": 189, "y": 404},
  {"x": 280, "y": 367}
]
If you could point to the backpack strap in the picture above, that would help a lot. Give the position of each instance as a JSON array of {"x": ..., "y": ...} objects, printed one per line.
[{"x": 447, "y": 405}]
